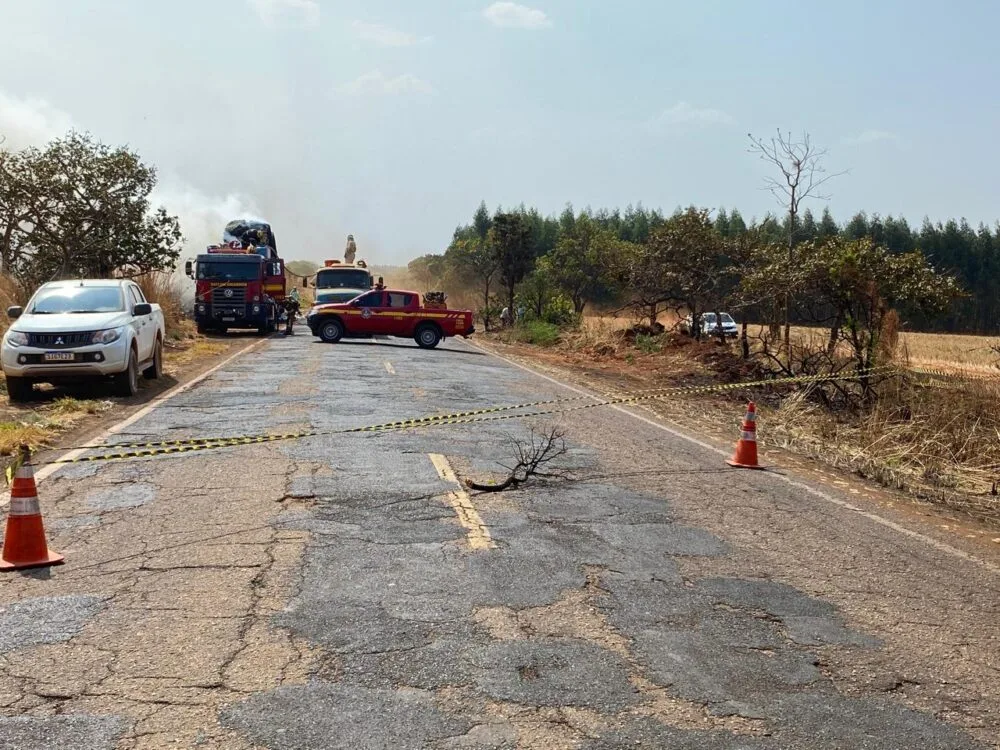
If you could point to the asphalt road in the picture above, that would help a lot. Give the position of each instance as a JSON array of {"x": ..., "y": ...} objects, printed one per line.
[{"x": 344, "y": 591}]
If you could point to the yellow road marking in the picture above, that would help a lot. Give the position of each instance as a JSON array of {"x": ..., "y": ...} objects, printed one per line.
[
  {"x": 389, "y": 368},
  {"x": 478, "y": 536}
]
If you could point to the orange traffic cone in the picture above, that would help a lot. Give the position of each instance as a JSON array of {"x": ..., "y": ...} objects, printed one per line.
[
  {"x": 745, "y": 456},
  {"x": 24, "y": 540}
]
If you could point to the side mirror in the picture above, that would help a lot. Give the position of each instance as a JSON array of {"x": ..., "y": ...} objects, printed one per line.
[
  {"x": 188, "y": 269},
  {"x": 14, "y": 312},
  {"x": 143, "y": 308}
]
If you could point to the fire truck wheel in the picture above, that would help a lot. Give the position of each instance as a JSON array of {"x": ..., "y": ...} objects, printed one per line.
[
  {"x": 427, "y": 336},
  {"x": 331, "y": 331}
]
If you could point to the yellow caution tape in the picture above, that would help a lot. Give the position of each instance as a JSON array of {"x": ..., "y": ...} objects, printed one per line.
[{"x": 174, "y": 447}]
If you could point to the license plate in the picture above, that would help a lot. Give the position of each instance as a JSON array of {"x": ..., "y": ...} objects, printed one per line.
[
  {"x": 228, "y": 320},
  {"x": 58, "y": 356}
]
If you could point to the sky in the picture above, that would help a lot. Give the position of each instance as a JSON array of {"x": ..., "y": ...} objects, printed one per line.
[{"x": 393, "y": 119}]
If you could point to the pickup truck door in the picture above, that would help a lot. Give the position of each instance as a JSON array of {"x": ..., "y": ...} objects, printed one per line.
[
  {"x": 398, "y": 314},
  {"x": 145, "y": 329},
  {"x": 366, "y": 315}
]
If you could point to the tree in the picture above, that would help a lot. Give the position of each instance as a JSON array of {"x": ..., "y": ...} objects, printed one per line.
[
  {"x": 684, "y": 263},
  {"x": 428, "y": 270},
  {"x": 510, "y": 235},
  {"x": 802, "y": 175},
  {"x": 581, "y": 260},
  {"x": 478, "y": 260},
  {"x": 862, "y": 282},
  {"x": 537, "y": 287},
  {"x": 85, "y": 211},
  {"x": 15, "y": 206}
]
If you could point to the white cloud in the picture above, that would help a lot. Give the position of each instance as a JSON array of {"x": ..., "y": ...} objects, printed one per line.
[
  {"x": 302, "y": 12},
  {"x": 871, "y": 136},
  {"x": 30, "y": 122},
  {"x": 385, "y": 36},
  {"x": 683, "y": 113},
  {"x": 513, "y": 16},
  {"x": 377, "y": 82}
]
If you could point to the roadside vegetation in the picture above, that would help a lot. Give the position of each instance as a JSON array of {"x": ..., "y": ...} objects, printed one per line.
[
  {"x": 79, "y": 208},
  {"x": 604, "y": 292}
]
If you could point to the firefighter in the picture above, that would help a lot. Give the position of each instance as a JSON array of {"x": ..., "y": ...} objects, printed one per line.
[
  {"x": 380, "y": 285},
  {"x": 292, "y": 307},
  {"x": 351, "y": 251}
]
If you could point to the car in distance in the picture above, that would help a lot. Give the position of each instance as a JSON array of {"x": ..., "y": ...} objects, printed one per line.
[
  {"x": 389, "y": 312},
  {"x": 71, "y": 331},
  {"x": 709, "y": 327}
]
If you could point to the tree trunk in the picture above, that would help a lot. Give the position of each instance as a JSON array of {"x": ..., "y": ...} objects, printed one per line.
[
  {"x": 745, "y": 338},
  {"x": 831, "y": 347},
  {"x": 486, "y": 306}
]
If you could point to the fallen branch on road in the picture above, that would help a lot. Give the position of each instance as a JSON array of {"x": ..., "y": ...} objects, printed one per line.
[{"x": 540, "y": 450}]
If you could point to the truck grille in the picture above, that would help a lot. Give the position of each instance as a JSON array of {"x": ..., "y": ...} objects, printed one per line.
[
  {"x": 60, "y": 340},
  {"x": 238, "y": 297}
]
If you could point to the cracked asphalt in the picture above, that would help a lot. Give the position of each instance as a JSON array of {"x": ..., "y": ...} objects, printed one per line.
[{"x": 342, "y": 592}]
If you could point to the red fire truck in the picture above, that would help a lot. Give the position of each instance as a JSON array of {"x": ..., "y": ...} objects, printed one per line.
[{"x": 231, "y": 289}]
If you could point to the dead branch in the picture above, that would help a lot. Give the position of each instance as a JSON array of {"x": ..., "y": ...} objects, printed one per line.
[{"x": 532, "y": 458}]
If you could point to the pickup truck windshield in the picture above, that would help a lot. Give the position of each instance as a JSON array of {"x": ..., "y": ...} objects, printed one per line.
[
  {"x": 221, "y": 271},
  {"x": 343, "y": 279},
  {"x": 83, "y": 299}
]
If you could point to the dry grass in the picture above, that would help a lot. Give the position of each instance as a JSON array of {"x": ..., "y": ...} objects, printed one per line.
[
  {"x": 935, "y": 438},
  {"x": 164, "y": 289},
  {"x": 11, "y": 293},
  {"x": 38, "y": 426},
  {"x": 926, "y": 350}
]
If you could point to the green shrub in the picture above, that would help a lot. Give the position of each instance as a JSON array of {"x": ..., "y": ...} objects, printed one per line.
[
  {"x": 649, "y": 344},
  {"x": 559, "y": 312},
  {"x": 537, "y": 332}
]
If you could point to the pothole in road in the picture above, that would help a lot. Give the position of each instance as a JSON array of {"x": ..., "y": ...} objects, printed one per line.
[{"x": 120, "y": 496}]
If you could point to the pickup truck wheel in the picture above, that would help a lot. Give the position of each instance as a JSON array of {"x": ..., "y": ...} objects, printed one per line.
[
  {"x": 427, "y": 336},
  {"x": 155, "y": 370},
  {"x": 202, "y": 329},
  {"x": 127, "y": 383},
  {"x": 19, "y": 390},
  {"x": 331, "y": 331}
]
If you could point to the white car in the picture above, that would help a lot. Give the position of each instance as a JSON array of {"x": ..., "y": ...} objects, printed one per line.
[
  {"x": 709, "y": 327},
  {"x": 74, "y": 330}
]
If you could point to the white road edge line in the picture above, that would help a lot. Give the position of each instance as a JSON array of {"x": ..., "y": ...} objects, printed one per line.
[
  {"x": 47, "y": 471},
  {"x": 939, "y": 546},
  {"x": 477, "y": 534},
  {"x": 389, "y": 368}
]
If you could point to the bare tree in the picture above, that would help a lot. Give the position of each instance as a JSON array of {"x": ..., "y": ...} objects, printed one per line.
[
  {"x": 802, "y": 176},
  {"x": 531, "y": 459}
]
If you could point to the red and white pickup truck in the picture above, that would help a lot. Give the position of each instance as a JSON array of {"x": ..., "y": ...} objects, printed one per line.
[{"x": 389, "y": 312}]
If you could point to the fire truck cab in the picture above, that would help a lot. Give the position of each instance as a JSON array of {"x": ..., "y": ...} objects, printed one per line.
[{"x": 235, "y": 287}]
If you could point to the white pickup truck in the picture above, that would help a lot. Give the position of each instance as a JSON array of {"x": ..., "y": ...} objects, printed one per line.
[{"x": 75, "y": 330}]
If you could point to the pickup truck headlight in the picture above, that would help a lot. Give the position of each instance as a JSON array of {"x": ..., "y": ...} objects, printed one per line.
[
  {"x": 108, "y": 336},
  {"x": 16, "y": 338}
]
